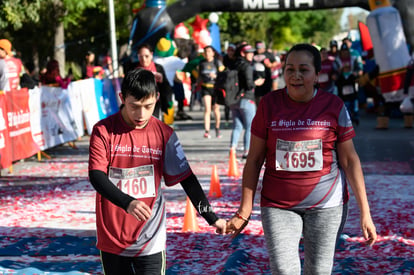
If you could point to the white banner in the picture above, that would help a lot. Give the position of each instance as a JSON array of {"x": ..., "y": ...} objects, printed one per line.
[
  {"x": 75, "y": 96},
  {"x": 89, "y": 103},
  {"x": 35, "y": 105},
  {"x": 57, "y": 120}
]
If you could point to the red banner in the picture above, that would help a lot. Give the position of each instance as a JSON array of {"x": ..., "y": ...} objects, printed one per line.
[
  {"x": 18, "y": 116},
  {"x": 5, "y": 152}
]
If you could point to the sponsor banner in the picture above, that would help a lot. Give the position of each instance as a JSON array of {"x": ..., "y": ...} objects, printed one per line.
[
  {"x": 35, "y": 105},
  {"x": 5, "y": 153},
  {"x": 57, "y": 120},
  {"x": 89, "y": 103},
  {"x": 99, "y": 99},
  {"x": 22, "y": 144},
  {"x": 109, "y": 96},
  {"x": 46, "y": 116},
  {"x": 75, "y": 97}
]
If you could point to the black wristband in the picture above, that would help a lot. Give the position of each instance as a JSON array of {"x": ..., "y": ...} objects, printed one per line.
[{"x": 196, "y": 194}]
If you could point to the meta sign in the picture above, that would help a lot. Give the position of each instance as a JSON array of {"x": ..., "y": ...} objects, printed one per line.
[{"x": 277, "y": 4}]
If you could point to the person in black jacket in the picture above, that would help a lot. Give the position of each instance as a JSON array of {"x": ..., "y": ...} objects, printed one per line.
[
  {"x": 244, "y": 110},
  {"x": 145, "y": 60}
]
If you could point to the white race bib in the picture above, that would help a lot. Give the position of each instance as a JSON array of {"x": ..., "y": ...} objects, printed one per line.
[
  {"x": 323, "y": 78},
  {"x": 348, "y": 90},
  {"x": 299, "y": 156},
  {"x": 137, "y": 182}
]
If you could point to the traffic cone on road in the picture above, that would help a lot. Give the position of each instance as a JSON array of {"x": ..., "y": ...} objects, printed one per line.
[
  {"x": 190, "y": 218},
  {"x": 233, "y": 167},
  {"x": 215, "y": 189}
]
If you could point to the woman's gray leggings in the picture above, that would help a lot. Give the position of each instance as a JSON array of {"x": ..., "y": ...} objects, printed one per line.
[{"x": 320, "y": 229}]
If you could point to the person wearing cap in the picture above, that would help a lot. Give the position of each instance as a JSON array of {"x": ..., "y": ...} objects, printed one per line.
[
  {"x": 354, "y": 53},
  {"x": 4, "y": 80},
  {"x": 349, "y": 70},
  {"x": 245, "y": 109},
  {"x": 333, "y": 50},
  {"x": 14, "y": 65},
  {"x": 264, "y": 63}
]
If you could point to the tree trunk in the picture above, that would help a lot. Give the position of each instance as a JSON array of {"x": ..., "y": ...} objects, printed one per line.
[{"x": 60, "y": 47}]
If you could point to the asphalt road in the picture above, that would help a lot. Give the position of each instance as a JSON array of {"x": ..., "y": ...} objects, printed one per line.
[{"x": 394, "y": 144}]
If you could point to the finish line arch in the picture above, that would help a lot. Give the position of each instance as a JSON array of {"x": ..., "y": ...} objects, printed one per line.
[{"x": 155, "y": 20}]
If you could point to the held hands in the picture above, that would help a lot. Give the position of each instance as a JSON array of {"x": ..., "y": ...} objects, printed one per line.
[
  {"x": 220, "y": 226},
  {"x": 236, "y": 224},
  {"x": 140, "y": 210}
]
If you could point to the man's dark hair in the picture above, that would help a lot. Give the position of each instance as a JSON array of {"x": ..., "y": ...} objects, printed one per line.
[
  {"x": 139, "y": 83},
  {"x": 317, "y": 63}
]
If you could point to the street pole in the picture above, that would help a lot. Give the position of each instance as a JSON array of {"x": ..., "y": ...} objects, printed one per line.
[{"x": 114, "y": 50}]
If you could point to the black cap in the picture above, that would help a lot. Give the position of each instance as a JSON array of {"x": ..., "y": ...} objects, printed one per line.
[{"x": 333, "y": 43}]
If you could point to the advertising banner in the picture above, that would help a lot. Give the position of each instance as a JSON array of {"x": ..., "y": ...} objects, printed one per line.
[
  {"x": 57, "y": 120},
  {"x": 22, "y": 144},
  {"x": 5, "y": 153}
]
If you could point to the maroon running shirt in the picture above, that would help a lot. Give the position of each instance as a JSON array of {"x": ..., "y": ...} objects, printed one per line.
[
  {"x": 135, "y": 160},
  {"x": 301, "y": 162}
]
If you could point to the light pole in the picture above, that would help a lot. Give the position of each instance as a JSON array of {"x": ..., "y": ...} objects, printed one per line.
[{"x": 112, "y": 32}]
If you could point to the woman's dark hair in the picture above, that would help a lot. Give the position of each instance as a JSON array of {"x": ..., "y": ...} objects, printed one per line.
[
  {"x": 317, "y": 63},
  {"x": 139, "y": 83},
  {"x": 145, "y": 45},
  {"x": 52, "y": 72}
]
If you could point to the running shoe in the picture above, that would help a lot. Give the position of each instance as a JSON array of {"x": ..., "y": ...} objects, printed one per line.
[{"x": 218, "y": 134}]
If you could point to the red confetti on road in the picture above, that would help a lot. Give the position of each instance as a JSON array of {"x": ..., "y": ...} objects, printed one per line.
[{"x": 56, "y": 202}]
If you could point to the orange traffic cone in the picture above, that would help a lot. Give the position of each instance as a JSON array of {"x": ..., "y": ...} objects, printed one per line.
[
  {"x": 190, "y": 218},
  {"x": 215, "y": 190},
  {"x": 233, "y": 167}
]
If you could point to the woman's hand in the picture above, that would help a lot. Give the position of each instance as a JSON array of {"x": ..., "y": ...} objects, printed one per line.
[
  {"x": 236, "y": 224},
  {"x": 368, "y": 230}
]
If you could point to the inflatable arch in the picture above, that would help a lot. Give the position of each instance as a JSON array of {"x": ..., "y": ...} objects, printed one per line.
[
  {"x": 391, "y": 28},
  {"x": 156, "y": 19}
]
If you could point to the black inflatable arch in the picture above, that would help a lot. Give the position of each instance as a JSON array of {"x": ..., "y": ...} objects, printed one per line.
[{"x": 156, "y": 19}]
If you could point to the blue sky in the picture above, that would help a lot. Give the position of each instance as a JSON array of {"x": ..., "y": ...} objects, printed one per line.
[{"x": 350, "y": 10}]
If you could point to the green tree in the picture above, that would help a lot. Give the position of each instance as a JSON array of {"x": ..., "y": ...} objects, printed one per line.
[
  {"x": 280, "y": 29},
  {"x": 14, "y": 13},
  {"x": 36, "y": 23},
  {"x": 66, "y": 29}
]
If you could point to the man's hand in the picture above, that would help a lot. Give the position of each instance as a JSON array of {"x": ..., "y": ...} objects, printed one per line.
[
  {"x": 140, "y": 210},
  {"x": 220, "y": 226}
]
